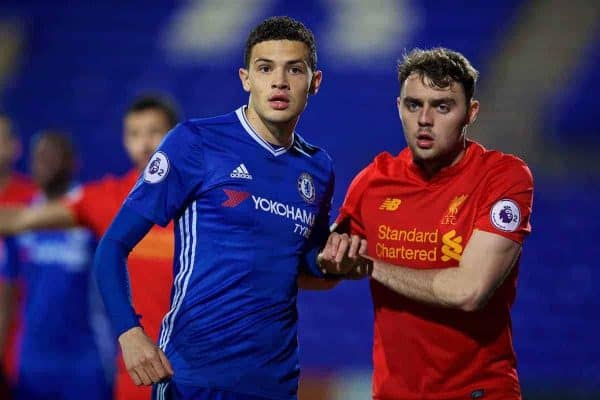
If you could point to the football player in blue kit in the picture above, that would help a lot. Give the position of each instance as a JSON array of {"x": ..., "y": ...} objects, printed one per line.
[
  {"x": 66, "y": 351},
  {"x": 250, "y": 199}
]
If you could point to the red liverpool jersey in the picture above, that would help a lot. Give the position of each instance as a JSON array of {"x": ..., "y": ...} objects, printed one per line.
[
  {"x": 19, "y": 190},
  {"x": 149, "y": 264},
  {"x": 422, "y": 351}
]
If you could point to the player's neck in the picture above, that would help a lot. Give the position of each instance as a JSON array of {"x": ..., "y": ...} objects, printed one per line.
[
  {"x": 4, "y": 178},
  {"x": 279, "y": 134},
  {"x": 431, "y": 168},
  {"x": 56, "y": 190}
]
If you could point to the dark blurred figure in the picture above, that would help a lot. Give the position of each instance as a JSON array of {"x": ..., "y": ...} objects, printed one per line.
[{"x": 65, "y": 347}]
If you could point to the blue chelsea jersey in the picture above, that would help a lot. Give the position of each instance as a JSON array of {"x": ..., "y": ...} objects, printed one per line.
[
  {"x": 65, "y": 329},
  {"x": 248, "y": 218}
]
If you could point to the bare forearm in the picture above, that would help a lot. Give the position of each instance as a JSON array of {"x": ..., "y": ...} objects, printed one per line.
[
  {"x": 15, "y": 220},
  {"x": 10, "y": 219},
  {"x": 487, "y": 260},
  {"x": 440, "y": 287}
]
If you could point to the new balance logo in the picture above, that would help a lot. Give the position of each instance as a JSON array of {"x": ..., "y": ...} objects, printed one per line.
[
  {"x": 390, "y": 204},
  {"x": 241, "y": 172}
]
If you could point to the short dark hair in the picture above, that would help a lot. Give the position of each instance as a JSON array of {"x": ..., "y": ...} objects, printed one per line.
[
  {"x": 442, "y": 66},
  {"x": 282, "y": 28},
  {"x": 60, "y": 138},
  {"x": 156, "y": 102}
]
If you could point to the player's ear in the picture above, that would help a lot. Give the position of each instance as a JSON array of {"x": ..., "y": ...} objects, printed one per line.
[
  {"x": 244, "y": 77},
  {"x": 472, "y": 112},
  {"x": 315, "y": 82},
  {"x": 399, "y": 105}
]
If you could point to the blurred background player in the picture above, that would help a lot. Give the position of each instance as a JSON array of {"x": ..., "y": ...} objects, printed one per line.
[
  {"x": 15, "y": 189},
  {"x": 65, "y": 342},
  {"x": 145, "y": 123}
]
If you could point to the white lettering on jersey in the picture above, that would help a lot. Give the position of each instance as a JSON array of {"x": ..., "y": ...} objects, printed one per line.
[{"x": 284, "y": 210}]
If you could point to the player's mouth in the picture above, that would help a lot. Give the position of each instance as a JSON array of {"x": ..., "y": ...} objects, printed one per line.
[
  {"x": 279, "y": 101},
  {"x": 424, "y": 140}
]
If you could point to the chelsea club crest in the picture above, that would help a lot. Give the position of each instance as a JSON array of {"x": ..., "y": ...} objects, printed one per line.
[{"x": 306, "y": 187}]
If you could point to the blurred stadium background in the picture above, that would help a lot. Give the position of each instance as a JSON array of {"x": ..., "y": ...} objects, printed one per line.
[{"x": 75, "y": 65}]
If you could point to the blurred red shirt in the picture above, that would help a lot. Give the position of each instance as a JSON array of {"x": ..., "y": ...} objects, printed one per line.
[
  {"x": 149, "y": 264},
  {"x": 18, "y": 191}
]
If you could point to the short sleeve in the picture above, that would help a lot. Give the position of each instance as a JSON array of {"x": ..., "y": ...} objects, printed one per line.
[
  {"x": 88, "y": 205},
  {"x": 172, "y": 175},
  {"x": 350, "y": 212},
  {"x": 506, "y": 204}
]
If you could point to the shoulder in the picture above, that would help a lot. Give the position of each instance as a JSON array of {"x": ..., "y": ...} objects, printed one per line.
[
  {"x": 499, "y": 164},
  {"x": 107, "y": 182},
  {"x": 388, "y": 164},
  {"x": 108, "y": 187},
  {"x": 378, "y": 165},
  {"x": 22, "y": 180},
  {"x": 23, "y": 186},
  {"x": 316, "y": 153},
  {"x": 200, "y": 126}
]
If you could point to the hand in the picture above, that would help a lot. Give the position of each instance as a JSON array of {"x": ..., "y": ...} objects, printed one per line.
[
  {"x": 342, "y": 253},
  {"x": 145, "y": 362},
  {"x": 360, "y": 270}
]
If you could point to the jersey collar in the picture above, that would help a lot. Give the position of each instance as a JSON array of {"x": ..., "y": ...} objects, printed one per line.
[
  {"x": 275, "y": 150},
  {"x": 446, "y": 172}
]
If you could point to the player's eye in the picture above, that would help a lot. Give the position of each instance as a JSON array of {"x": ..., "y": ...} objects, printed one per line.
[
  {"x": 296, "y": 70},
  {"x": 444, "y": 108},
  {"x": 411, "y": 105},
  {"x": 264, "y": 68}
]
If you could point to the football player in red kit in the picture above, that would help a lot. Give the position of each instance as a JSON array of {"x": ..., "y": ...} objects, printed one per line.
[{"x": 444, "y": 220}]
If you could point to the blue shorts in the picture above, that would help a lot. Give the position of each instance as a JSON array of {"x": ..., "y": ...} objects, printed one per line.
[
  {"x": 174, "y": 391},
  {"x": 87, "y": 383}
]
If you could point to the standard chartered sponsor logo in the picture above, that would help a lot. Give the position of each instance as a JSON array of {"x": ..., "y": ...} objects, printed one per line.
[
  {"x": 451, "y": 248},
  {"x": 405, "y": 253},
  {"x": 404, "y": 235},
  {"x": 409, "y": 252},
  {"x": 284, "y": 210}
]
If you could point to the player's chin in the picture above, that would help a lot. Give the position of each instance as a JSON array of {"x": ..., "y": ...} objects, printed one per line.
[
  {"x": 423, "y": 155},
  {"x": 420, "y": 150},
  {"x": 141, "y": 162},
  {"x": 282, "y": 116}
]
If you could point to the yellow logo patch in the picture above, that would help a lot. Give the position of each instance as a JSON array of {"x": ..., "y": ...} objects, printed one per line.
[
  {"x": 450, "y": 217},
  {"x": 390, "y": 204},
  {"x": 452, "y": 248}
]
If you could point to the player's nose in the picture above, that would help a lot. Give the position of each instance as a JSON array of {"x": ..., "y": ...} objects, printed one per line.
[
  {"x": 425, "y": 117},
  {"x": 280, "y": 79}
]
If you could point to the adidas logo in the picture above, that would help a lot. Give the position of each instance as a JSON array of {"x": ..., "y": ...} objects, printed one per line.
[{"x": 241, "y": 172}]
